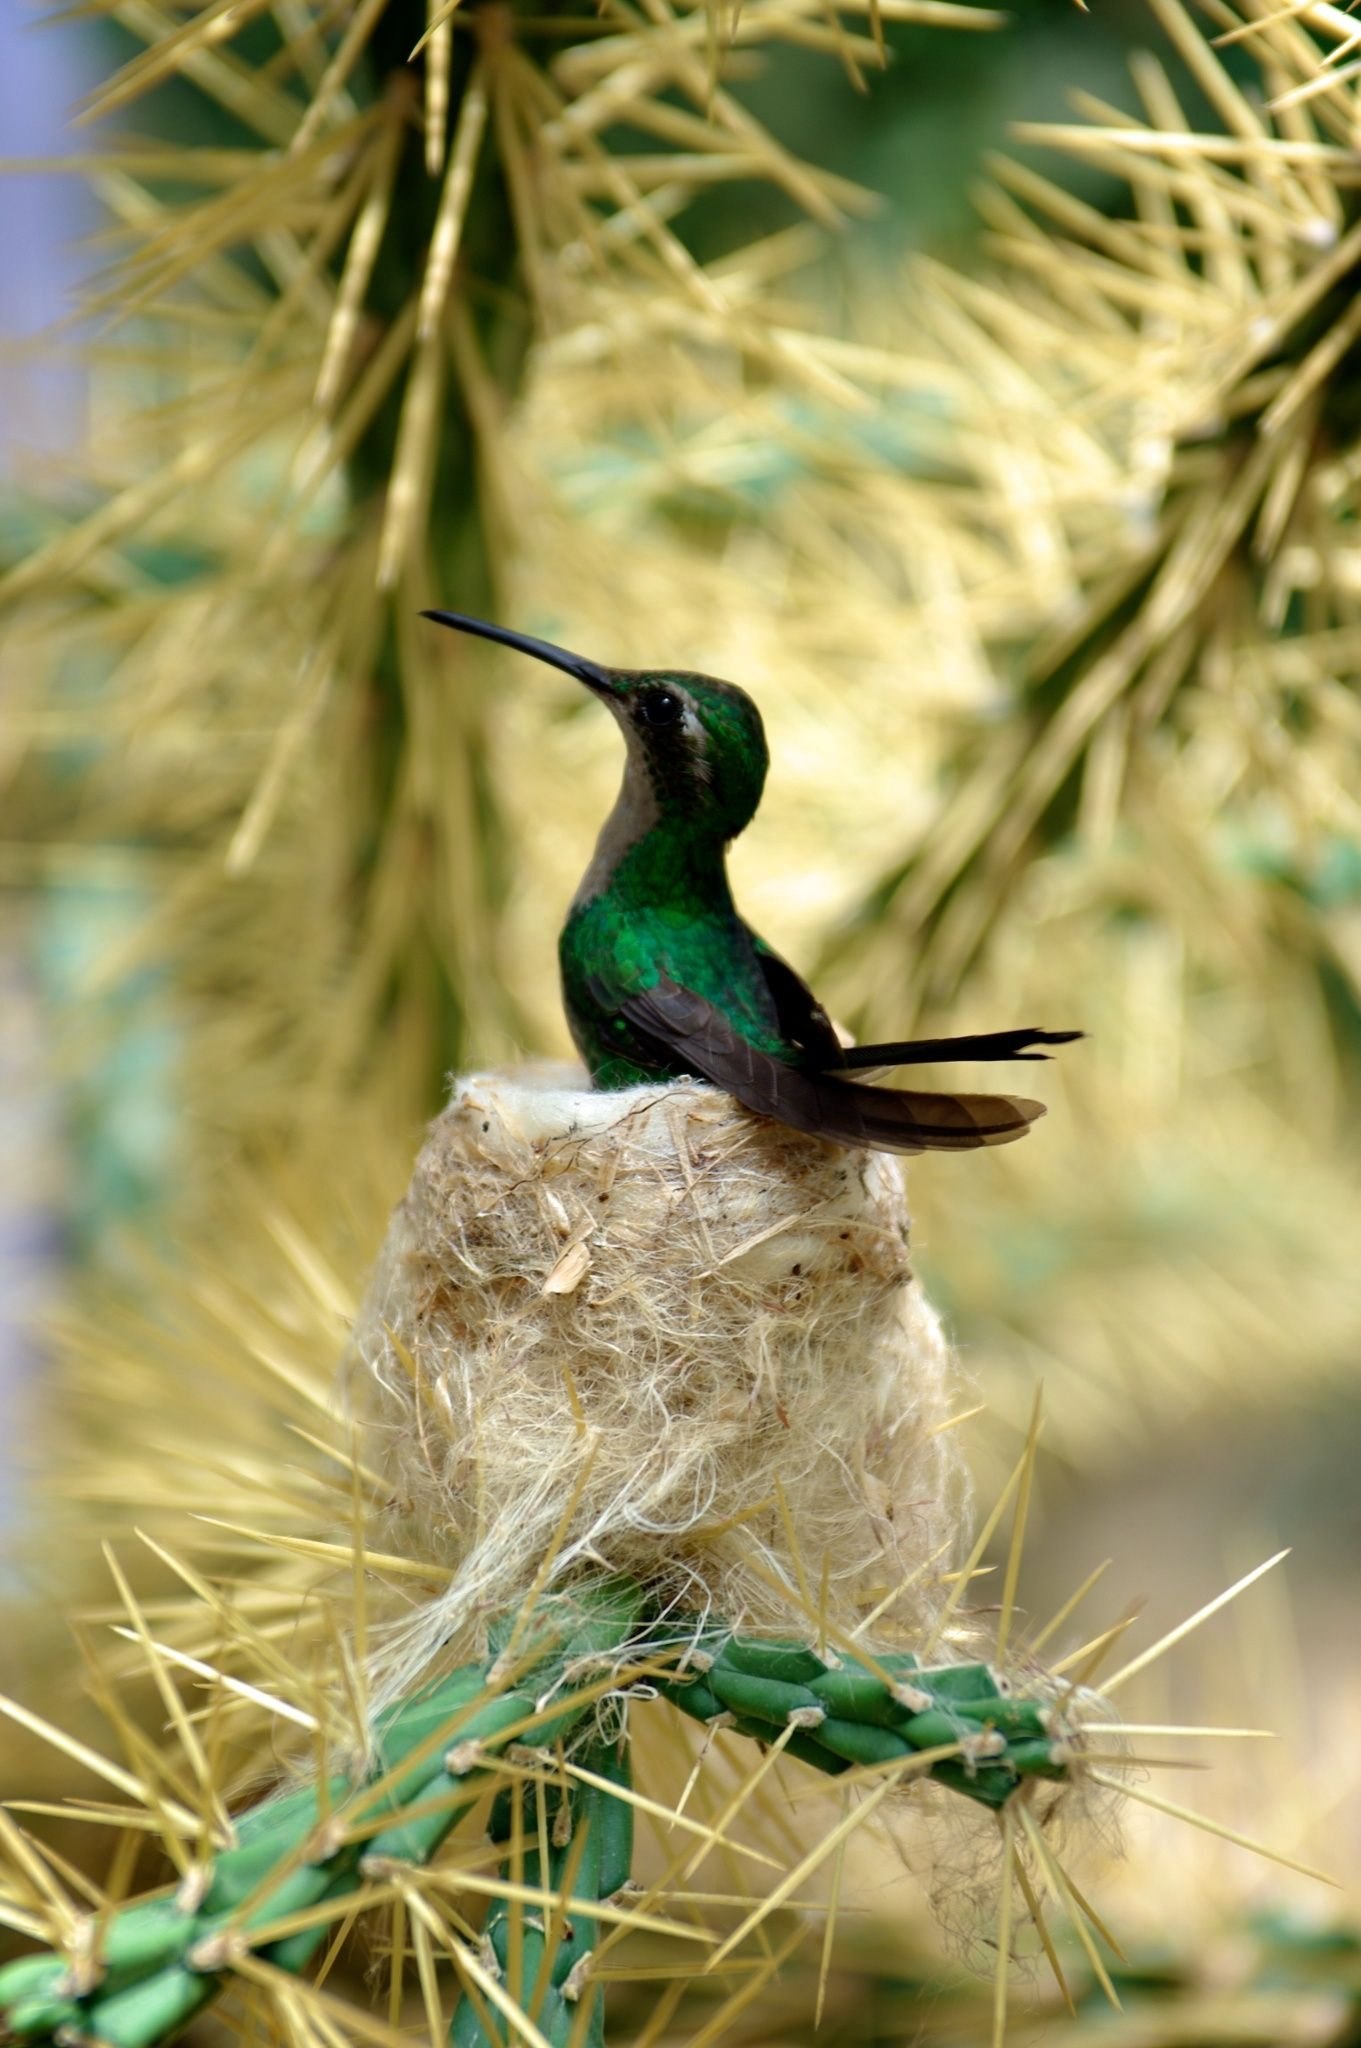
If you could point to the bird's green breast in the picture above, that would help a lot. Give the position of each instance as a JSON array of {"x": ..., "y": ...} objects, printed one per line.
[{"x": 666, "y": 910}]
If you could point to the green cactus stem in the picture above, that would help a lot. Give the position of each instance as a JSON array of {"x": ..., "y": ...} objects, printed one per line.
[{"x": 298, "y": 1860}]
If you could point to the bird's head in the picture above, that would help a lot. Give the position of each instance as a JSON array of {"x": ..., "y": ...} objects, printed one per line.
[{"x": 696, "y": 743}]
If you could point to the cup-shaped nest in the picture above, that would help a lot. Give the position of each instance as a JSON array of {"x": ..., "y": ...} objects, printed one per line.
[{"x": 647, "y": 1332}]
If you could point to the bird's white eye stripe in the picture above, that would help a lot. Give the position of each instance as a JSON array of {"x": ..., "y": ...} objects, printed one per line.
[{"x": 693, "y": 728}]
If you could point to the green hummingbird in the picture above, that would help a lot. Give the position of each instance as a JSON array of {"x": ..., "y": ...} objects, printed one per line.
[{"x": 661, "y": 976}]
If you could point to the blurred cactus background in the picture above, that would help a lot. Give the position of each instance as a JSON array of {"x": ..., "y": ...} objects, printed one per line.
[{"x": 980, "y": 390}]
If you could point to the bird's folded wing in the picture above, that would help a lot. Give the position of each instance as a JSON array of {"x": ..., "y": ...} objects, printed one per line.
[
  {"x": 690, "y": 1032},
  {"x": 800, "y": 1015}
]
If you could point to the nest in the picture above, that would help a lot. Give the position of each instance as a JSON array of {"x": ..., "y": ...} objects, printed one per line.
[{"x": 647, "y": 1332}]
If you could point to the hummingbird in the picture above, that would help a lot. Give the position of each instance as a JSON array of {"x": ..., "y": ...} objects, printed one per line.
[{"x": 662, "y": 978}]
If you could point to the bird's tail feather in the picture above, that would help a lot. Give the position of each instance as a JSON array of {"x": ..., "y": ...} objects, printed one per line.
[{"x": 977, "y": 1045}]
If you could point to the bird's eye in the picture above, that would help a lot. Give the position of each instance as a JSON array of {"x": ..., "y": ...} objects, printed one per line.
[{"x": 659, "y": 708}]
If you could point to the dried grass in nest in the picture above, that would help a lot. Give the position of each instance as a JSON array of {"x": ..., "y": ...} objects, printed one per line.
[{"x": 647, "y": 1332}]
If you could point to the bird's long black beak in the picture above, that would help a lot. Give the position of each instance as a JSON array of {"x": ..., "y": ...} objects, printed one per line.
[{"x": 588, "y": 672}]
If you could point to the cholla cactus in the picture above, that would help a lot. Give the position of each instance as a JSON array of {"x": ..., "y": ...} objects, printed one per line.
[
  {"x": 1147, "y": 401},
  {"x": 1219, "y": 375},
  {"x": 509, "y": 1779}
]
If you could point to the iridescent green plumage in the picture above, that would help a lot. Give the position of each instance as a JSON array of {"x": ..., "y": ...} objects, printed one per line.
[
  {"x": 656, "y": 900},
  {"x": 661, "y": 976}
]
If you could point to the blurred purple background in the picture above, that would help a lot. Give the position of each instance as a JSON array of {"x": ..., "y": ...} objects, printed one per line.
[{"x": 44, "y": 72}]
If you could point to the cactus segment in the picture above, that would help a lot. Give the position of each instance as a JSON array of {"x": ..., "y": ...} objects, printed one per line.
[
  {"x": 694, "y": 1696},
  {"x": 29, "y": 1977},
  {"x": 430, "y": 1759},
  {"x": 789, "y": 1663},
  {"x": 861, "y": 1742},
  {"x": 767, "y": 1699},
  {"x": 149, "y": 2011},
  {"x": 39, "y": 2018},
  {"x": 416, "y": 1840},
  {"x": 856, "y": 1695},
  {"x": 864, "y": 1723},
  {"x": 590, "y": 1831},
  {"x": 148, "y": 1986},
  {"x": 959, "y": 1683}
]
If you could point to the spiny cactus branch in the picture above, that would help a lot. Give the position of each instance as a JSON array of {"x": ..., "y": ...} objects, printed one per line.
[{"x": 506, "y": 1726}]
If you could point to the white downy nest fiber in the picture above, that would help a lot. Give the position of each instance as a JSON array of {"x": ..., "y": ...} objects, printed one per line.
[{"x": 695, "y": 1329}]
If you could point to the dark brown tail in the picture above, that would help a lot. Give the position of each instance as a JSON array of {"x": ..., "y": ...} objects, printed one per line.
[{"x": 977, "y": 1045}]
